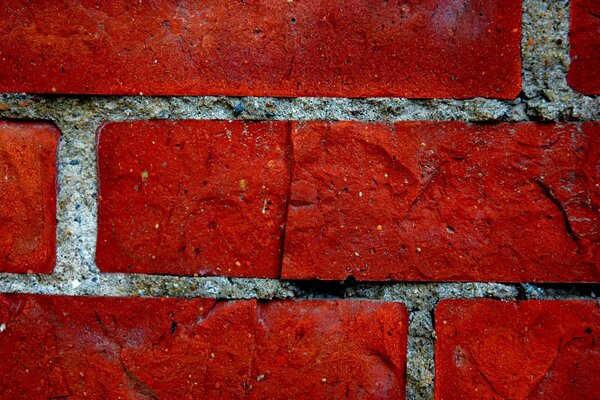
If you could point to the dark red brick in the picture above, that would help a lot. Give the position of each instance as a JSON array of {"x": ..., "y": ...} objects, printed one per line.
[
  {"x": 28, "y": 196},
  {"x": 584, "y": 72},
  {"x": 192, "y": 197},
  {"x": 444, "y": 201},
  {"x": 332, "y": 349},
  {"x": 355, "y": 48},
  {"x": 101, "y": 348},
  {"x": 488, "y": 349}
]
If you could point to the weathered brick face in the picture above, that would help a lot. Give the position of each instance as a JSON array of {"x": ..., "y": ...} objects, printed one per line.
[
  {"x": 488, "y": 349},
  {"x": 200, "y": 348},
  {"x": 444, "y": 201},
  {"x": 357, "y": 48},
  {"x": 27, "y": 196},
  {"x": 438, "y": 201},
  {"x": 192, "y": 197},
  {"x": 584, "y": 72}
]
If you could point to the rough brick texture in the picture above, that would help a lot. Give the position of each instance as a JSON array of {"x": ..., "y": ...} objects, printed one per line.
[
  {"x": 444, "y": 201},
  {"x": 27, "y": 196},
  {"x": 192, "y": 197},
  {"x": 99, "y": 348},
  {"x": 355, "y": 48},
  {"x": 488, "y": 349},
  {"x": 584, "y": 72}
]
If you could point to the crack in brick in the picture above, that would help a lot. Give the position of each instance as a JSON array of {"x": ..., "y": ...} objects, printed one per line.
[
  {"x": 423, "y": 189},
  {"x": 288, "y": 200},
  {"x": 135, "y": 382},
  {"x": 548, "y": 370},
  {"x": 549, "y": 193}
]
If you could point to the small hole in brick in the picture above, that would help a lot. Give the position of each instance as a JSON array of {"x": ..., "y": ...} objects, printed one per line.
[
  {"x": 588, "y": 330},
  {"x": 196, "y": 250},
  {"x": 293, "y": 20}
]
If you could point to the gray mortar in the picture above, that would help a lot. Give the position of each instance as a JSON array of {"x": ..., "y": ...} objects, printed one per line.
[{"x": 545, "y": 96}]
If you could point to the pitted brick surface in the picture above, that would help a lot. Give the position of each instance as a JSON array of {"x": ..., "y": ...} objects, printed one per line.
[
  {"x": 192, "y": 197},
  {"x": 99, "y": 347},
  {"x": 358, "y": 48},
  {"x": 444, "y": 201},
  {"x": 28, "y": 196},
  {"x": 487, "y": 349},
  {"x": 584, "y": 71}
]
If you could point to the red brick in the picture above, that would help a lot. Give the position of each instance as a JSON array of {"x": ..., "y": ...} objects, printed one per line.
[
  {"x": 103, "y": 348},
  {"x": 444, "y": 201},
  {"x": 487, "y": 349},
  {"x": 192, "y": 197},
  {"x": 28, "y": 196},
  {"x": 584, "y": 72},
  {"x": 332, "y": 349},
  {"x": 355, "y": 48}
]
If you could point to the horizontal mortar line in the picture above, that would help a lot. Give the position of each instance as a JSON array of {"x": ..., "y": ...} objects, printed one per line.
[
  {"x": 161, "y": 283},
  {"x": 232, "y": 101},
  {"x": 433, "y": 114},
  {"x": 233, "y": 279},
  {"x": 399, "y": 118}
]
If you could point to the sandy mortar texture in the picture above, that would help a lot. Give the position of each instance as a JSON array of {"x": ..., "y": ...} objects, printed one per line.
[{"x": 545, "y": 97}]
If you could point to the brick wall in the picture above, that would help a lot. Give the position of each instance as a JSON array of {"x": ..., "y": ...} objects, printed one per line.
[{"x": 300, "y": 199}]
